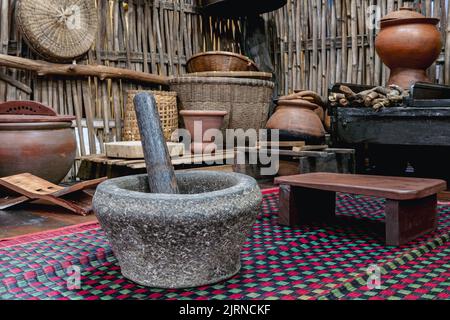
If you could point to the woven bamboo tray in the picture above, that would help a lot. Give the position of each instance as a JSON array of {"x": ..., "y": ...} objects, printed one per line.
[
  {"x": 58, "y": 30},
  {"x": 220, "y": 61},
  {"x": 167, "y": 106},
  {"x": 247, "y": 101}
]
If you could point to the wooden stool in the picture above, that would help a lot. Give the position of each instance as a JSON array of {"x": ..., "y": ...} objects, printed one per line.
[{"x": 411, "y": 204}]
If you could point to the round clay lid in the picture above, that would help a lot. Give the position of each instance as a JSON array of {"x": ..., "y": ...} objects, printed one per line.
[
  {"x": 405, "y": 15},
  {"x": 29, "y": 112}
]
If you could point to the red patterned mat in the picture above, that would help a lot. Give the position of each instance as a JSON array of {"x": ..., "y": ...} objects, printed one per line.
[{"x": 314, "y": 262}]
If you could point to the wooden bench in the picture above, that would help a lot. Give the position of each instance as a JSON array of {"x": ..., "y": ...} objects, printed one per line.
[{"x": 411, "y": 204}]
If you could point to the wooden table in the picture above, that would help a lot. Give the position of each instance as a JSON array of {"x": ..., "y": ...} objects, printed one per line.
[{"x": 411, "y": 204}]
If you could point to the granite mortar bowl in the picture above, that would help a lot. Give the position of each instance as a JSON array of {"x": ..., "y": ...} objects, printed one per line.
[{"x": 179, "y": 241}]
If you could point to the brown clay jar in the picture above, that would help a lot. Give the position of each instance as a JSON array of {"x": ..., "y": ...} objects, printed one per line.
[
  {"x": 34, "y": 139},
  {"x": 408, "y": 44},
  {"x": 297, "y": 119},
  {"x": 209, "y": 120}
]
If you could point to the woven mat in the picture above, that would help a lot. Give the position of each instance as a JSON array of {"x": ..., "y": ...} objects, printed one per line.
[{"x": 314, "y": 262}]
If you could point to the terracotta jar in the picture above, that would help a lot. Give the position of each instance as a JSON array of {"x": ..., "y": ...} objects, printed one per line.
[
  {"x": 209, "y": 120},
  {"x": 34, "y": 139},
  {"x": 408, "y": 44},
  {"x": 298, "y": 119}
]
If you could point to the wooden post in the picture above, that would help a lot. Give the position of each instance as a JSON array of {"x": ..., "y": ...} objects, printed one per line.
[
  {"x": 300, "y": 206},
  {"x": 161, "y": 175},
  {"x": 407, "y": 220}
]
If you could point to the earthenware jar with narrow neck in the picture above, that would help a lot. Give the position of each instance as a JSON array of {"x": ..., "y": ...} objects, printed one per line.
[{"x": 408, "y": 44}]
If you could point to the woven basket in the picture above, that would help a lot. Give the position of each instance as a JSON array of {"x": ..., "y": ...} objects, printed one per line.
[
  {"x": 247, "y": 101},
  {"x": 168, "y": 112},
  {"x": 220, "y": 61},
  {"x": 58, "y": 30}
]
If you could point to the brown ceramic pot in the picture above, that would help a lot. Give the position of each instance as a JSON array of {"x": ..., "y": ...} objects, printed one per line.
[
  {"x": 208, "y": 120},
  {"x": 34, "y": 139},
  {"x": 298, "y": 120},
  {"x": 408, "y": 44}
]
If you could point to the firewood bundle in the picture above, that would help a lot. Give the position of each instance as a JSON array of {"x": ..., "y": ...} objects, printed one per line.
[{"x": 376, "y": 98}]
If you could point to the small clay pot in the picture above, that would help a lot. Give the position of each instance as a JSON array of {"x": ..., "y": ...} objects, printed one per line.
[
  {"x": 297, "y": 120},
  {"x": 209, "y": 120},
  {"x": 34, "y": 139},
  {"x": 408, "y": 44}
]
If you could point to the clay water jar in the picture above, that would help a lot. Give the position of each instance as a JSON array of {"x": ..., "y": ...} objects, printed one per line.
[
  {"x": 298, "y": 120},
  {"x": 209, "y": 120},
  {"x": 408, "y": 44},
  {"x": 34, "y": 139}
]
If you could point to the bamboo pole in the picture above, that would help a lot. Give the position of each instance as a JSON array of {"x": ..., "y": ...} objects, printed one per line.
[{"x": 43, "y": 68}]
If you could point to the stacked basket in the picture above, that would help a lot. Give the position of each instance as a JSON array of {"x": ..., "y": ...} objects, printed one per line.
[
  {"x": 246, "y": 99},
  {"x": 167, "y": 106}
]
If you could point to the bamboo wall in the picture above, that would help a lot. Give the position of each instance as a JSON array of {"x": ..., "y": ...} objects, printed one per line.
[
  {"x": 313, "y": 43},
  {"x": 321, "y": 42},
  {"x": 145, "y": 35}
]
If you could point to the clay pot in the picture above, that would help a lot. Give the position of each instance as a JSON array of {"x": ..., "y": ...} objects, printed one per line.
[
  {"x": 298, "y": 120},
  {"x": 33, "y": 139},
  {"x": 408, "y": 44},
  {"x": 209, "y": 120}
]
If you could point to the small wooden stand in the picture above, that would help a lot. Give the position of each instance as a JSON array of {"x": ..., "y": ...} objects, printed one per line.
[
  {"x": 26, "y": 187},
  {"x": 410, "y": 207}
]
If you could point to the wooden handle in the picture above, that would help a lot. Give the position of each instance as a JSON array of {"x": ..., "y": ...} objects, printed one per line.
[{"x": 161, "y": 175}]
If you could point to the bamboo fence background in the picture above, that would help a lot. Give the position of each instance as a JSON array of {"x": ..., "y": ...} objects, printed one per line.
[
  {"x": 313, "y": 43},
  {"x": 144, "y": 35},
  {"x": 321, "y": 42}
]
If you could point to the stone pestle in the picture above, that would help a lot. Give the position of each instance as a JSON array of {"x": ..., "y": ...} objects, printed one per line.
[{"x": 161, "y": 175}]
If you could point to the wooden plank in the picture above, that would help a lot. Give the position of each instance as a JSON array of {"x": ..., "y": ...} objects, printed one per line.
[
  {"x": 283, "y": 144},
  {"x": 134, "y": 150},
  {"x": 394, "y": 188},
  {"x": 218, "y": 158}
]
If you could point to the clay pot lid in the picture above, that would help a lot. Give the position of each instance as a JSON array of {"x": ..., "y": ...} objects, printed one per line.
[
  {"x": 298, "y": 103},
  {"x": 207, "y": 113},
  {"x": 29, "y": 112},
  {"x": 406, "y": 15}
]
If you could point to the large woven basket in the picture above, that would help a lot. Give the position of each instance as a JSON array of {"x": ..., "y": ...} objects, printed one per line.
[
  {"x": 58, "y": 30},
  {"x": 220, "y": 61},
  {"x": 167, "y": 106},
  {"x": 247, "y": 101}
]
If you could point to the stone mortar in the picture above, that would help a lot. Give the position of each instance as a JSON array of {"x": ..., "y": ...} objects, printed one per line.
[{"x": 179, "y": 241}]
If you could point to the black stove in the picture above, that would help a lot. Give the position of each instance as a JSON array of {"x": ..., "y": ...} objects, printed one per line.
[{"x": 415, "y": 131}]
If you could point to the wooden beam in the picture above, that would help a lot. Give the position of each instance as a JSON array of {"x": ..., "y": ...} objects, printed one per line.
[{"x": 43, "y": 68}]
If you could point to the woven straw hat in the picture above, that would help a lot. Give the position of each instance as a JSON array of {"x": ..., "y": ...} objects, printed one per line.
[{"x": 58, "y": 30}]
